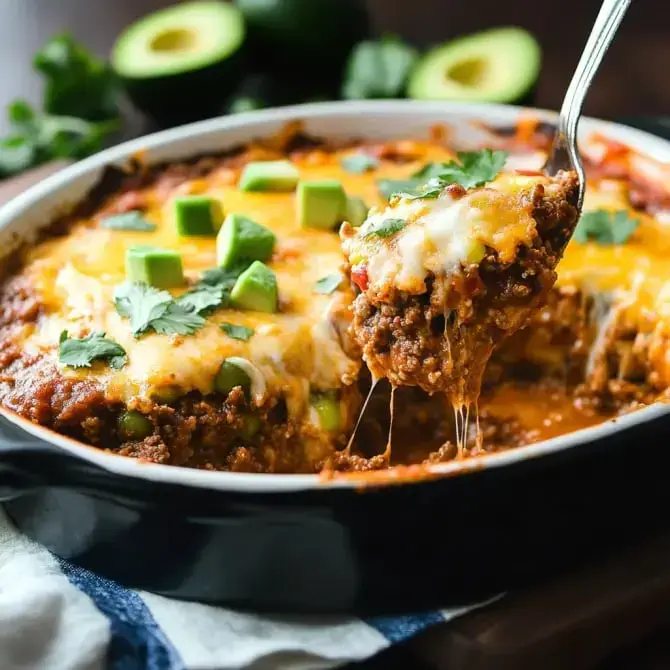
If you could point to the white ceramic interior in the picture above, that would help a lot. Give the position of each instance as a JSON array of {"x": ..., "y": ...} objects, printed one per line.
[{"x": 35, "y": 208}]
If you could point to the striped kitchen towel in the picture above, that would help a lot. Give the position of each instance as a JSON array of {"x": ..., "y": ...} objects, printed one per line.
[{"x": 56, "y": 616}]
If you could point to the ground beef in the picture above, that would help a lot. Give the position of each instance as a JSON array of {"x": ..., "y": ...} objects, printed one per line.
[{"x": 442, "y": 339}]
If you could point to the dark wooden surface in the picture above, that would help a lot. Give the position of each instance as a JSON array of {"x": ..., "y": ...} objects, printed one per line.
[{"x": 633, "y": 80}]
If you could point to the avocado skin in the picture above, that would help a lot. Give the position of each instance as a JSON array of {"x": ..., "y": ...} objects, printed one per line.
[
  {"x": 189, "y": 96},
  {"x": 304, "y": 44}
]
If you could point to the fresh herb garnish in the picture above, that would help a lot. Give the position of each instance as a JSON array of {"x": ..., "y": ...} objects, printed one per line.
[
  {"x": 378, "y": 69},
  {"x": 237, "y": 332},
  {"x": 387, "y": 187},
  {"x": 151, "y": 309},
  {"x": 475, "y": 168},
  {"x": 128, "y": 221},
  {"x": 385, "y": 228},
  {"x": 203, "y": 298},
  {"x": 81, "y": 352},
  {"x": 326, "y": 285},
  {"x": 80, "y": 109},
  {"x": 605, "y": 227},
  {"x": 359, "y": 163}
]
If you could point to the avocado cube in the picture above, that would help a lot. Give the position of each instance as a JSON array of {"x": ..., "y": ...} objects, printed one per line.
[
  {"x": 356, "y": 211},
  {"x": 229, "y": 376},
  {"x": 161, "y": 268},
  {"x": 256, "y": 289},
  {"x": 277, "y": 176},
  {"x": 240, "y": 238},
  {"x": 321, "y": 204},
  {"x": 197, "y": 215}
]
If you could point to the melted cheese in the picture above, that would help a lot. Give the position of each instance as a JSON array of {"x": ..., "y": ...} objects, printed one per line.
[{"x": 443, "y": 234}]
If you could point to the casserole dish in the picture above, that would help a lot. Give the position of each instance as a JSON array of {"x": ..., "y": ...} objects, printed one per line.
[{"x": 300, "y": 543}]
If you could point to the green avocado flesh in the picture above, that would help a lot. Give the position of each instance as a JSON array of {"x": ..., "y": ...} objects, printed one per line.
[
  {"x": 256, "y": 289},
  {"x": 182, "y": 62},
  {"x": 499, "y": 65},
  {"x": 161, "y": 268},
  {"x": 186, "y": 37},
  {"x": 241, "y": 239},
  {"x": 197, "y": 215}
]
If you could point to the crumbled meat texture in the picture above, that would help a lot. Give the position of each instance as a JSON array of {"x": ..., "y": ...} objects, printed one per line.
[
  {"x": 441, "y": 340},
  {"x": 203, "y": 432}
]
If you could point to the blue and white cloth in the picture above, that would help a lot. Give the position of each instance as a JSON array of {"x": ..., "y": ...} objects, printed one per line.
[{"x": 55, "y": 616}]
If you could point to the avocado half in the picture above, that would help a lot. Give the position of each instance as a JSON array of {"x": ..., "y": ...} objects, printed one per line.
[
  {"x": 499, "y": 65},
  {"x": 304, "y": 44},
  {"x": 181, "y": 63}
]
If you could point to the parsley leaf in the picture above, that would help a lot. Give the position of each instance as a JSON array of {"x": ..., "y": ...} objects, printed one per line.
[
  {"x": 80, "y": 353},
  {"x": 237, "y": 332},
  {"x": 605, "y": 227},
  {"x": 359, "y": 163},
  {"x": 129, "y": 221},
  {"x": 385, "y": 228},
  {"x": 326, "y": 285}
]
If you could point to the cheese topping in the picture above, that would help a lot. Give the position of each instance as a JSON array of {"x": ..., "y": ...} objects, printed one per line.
[{"x": 442, "y": 234}]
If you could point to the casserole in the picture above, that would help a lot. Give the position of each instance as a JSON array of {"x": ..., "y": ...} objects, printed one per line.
[{"x": 347, "y": 546}]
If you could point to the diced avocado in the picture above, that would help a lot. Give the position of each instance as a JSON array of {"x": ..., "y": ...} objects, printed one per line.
[
  {"x": 356, "y": 211},
  {"x": 161, "y": 268},
  {"x": 166, "y": 395},
  {"x": 240, "y": 239},
  {"x": 321, "y": 204},
  {"x": 229, "y": 376},
  {"x": 498, "y": 65},
  {"x": 327, "y": 406},
  {"x": 181, "y": 63},
  {"x": 256, "y": 289},
  {"x": 197, "y": 215},
  {"x": 134, "y": 426},
  {"x": 278, "y": 176}
]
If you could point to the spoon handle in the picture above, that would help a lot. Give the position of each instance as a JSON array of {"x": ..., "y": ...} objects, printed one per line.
[{"x": 565, "y": 143}]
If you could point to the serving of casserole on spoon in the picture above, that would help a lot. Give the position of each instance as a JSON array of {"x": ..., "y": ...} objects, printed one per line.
[{"x": 450, "y": 269}]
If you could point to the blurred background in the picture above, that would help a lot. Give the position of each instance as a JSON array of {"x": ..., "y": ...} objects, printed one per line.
[{"x": 633, "y": 81}]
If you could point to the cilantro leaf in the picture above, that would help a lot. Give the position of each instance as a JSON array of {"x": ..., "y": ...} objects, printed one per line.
[
  {"x": 378, "y": 69},
  {"x": 326, "y": 285},
  {"x": 359, "y": 163},
  {"x": 476, "y": 168},
  {"x": 77, "y": 83},
  {"x": 130, "y": 221},
  {"x": 80, "y": 353},
  {"x": 389, "y": 187},
  {"x": 203, "y": 298},
  {"x": 142, "y": 304},
  {"x": 243, "y": 333},
  {"x": 605, "y": 227},
  {"x": 385, "y": 228},
  {"x": 177, "y": 320}
]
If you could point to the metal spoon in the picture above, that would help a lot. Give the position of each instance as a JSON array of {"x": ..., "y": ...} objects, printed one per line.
[{"x": 564, "y": 154}]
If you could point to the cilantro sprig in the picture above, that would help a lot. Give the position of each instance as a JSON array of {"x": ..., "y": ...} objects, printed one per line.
[
  {"x": 151, "y": 309},
  {"x": 328, "y": 284},
  {"x": 473, "y": 169},
  {"x": 385, "y": 228},
  {"x": 242, "y": 333},
  {"x": 359, "y": 163},
  {"x": 132, "y": 221},
  {"x": 605, "y": 227},
  {"x": 81, "y": 352}
]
